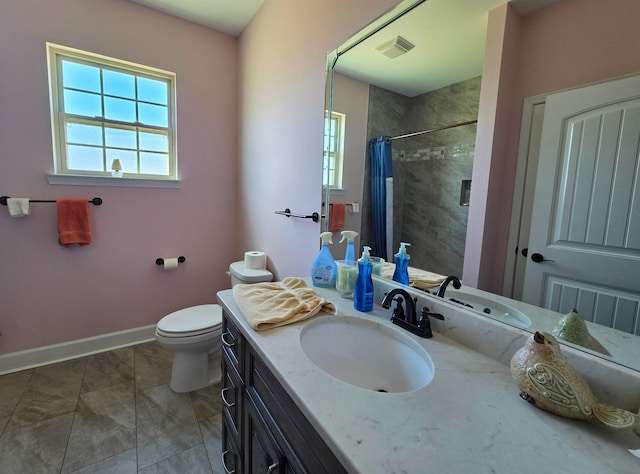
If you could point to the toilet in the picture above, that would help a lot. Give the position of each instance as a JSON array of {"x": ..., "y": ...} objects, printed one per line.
[{"x": 194, "y": 336}]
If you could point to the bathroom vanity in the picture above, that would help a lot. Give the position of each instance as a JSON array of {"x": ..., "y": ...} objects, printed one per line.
[
  {"x": 282, "y": 413},
  {"x": 263, "y": 429}
]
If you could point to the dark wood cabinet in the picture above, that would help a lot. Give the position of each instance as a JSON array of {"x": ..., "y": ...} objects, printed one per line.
[
  {"x": 262, "y": 453},
  {"x": 263, "y": 429}
]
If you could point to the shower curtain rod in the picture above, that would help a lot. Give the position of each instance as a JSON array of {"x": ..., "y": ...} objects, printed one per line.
[{"x": 432, "y": 130}]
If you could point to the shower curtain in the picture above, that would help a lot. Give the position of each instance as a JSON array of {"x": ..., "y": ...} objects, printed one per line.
[{"x": 380, "y": 171}]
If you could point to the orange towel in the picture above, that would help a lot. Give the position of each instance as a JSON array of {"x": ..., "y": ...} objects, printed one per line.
[
  {"x": 336, "y": 216},
  {"x": 73, "y": 222}
]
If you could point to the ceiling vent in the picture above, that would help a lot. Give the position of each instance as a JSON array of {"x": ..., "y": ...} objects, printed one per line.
[{"x": 395, "y": 47}]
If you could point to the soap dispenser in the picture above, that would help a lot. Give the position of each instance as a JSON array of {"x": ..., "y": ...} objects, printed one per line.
[
  {"x": 363, "y": 292},
  {"x": 323, "y": 269},
  {"x": 350, "y": 235},
  {"x": 401, "y": 273}
]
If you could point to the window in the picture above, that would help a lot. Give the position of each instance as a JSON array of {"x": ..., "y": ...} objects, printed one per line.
[
  {"x": 105, "y": 109},
  {"x": 333, "y": 150}
]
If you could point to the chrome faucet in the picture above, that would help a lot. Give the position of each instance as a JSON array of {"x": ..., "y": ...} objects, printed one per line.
[
  {"x": 454, "y": 280},
  {"x": 408, "y": 314}
]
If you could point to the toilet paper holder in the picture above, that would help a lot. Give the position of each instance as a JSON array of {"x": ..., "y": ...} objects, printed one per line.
[{"x": 160, "y": 261}]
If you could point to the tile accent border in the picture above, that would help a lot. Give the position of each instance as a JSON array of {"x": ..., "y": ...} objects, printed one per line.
[{"x": 27, "y": 359}]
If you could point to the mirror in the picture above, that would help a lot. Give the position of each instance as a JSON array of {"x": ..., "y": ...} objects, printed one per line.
[{"x": 434, "y": 219}]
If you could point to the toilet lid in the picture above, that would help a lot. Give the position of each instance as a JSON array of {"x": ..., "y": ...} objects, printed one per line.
[{"x": 196, "y": 318}]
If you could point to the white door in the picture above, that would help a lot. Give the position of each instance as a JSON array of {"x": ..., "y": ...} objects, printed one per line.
[{"x": 584, "y": 244}]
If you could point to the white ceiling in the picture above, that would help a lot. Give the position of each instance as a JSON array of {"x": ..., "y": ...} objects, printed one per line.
[
  {"x": 449, "y": 38},
  {"x": 448, "y": 35},
  {"x": 228, "y": 16}
]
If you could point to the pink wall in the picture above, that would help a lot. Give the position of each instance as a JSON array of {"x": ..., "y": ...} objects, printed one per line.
[
  {"x": 488, "y": 150},
  {"x": 569, "y": 44},
  {"x": 351, "y": 97},
  {"x": 50, "y": 294},
  {"x": 282, "y": 88}
]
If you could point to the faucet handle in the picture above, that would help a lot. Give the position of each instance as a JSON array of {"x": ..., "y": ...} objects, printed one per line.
[
  {"x": 426, "y": 314},
  {"x": 425, "y": 323}
]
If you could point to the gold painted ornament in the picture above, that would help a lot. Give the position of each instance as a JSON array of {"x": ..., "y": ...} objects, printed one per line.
[{"x": 547, "y": 380}]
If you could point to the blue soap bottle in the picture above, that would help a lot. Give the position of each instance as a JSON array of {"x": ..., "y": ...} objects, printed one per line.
[
  {"x": 324, "y": 269},
  {"x": 401, "y": 273},
  {"x": 363, "y": 292}
]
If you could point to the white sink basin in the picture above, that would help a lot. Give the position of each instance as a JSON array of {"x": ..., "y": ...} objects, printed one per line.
[
  {"x": 367, "y": 354},
  {"x": 495, "y": 309}
]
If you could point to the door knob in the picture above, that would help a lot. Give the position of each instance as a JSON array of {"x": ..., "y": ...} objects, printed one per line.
[
  {"x": 538, "y": 257},
  {"x": 524, "y": 252}
]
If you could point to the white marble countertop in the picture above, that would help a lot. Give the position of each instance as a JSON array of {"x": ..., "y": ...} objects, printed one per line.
[
  {"x": 468, "y": 419},
  {"x": 623, "y": 346}
]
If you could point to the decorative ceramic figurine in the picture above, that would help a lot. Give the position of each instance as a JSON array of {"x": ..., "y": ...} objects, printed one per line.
[
  {"x": 548, "y": 381},
  {"x": 572, "y": 328}
]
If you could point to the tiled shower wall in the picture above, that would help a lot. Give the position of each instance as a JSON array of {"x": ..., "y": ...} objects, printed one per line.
[{"x": 428, "y": 171}]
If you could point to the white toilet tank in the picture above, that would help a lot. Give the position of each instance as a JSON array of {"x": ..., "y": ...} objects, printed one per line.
[{"x": 240, "y": 274}]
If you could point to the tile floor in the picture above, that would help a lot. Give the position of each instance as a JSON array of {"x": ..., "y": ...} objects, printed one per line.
[{"x": 108, "y": 413}]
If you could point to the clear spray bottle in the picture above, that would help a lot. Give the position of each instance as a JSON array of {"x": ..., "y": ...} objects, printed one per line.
[
  {"x": 323, "y": 269},
  {"x": 350, "y": 235}
]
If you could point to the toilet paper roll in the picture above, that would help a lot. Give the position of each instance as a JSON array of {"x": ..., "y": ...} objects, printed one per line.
[
  {"x": 170, "y": 263},
  {"x": 255, "y": 260}
]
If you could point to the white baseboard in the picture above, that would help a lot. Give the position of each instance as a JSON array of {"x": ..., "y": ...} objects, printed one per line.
[{"x": 27, "y": 359}]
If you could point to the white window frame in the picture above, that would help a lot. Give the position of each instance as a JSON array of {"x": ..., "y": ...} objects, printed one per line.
[
  {"x": 332, "y": 175},
  {"x": 62, "y": 174}
]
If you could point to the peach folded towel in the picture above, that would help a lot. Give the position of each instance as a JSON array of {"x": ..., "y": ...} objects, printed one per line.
[
  {"x": 336, "y": 216},
  {"x": 73, "y": 222},
  {"x": 269, "y": 305},
  {"x": 419, "y": 278}
]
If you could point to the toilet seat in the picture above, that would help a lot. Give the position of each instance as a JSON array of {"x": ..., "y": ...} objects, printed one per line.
[{"x": 192, "y": 321}]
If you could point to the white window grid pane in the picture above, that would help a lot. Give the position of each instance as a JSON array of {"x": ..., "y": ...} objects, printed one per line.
[
  {"x": 329, "y": 169},
  {"x": 119, "y": 84},
  {"x": 152, "y": 91},
  {"x": 86, "y": 158},
  {"x": 79, "y": 133},
  {"x": 119, "y": 140},
  {"x": 82, "y": 103},
  {"x": 82, "y": 77},
  {"x": 154, "y": 163},
  {"x": 120, "y": 110},
  {"x": 155, "y": 139},
  {"x": 128, "y": 159},
  {"x": 120, "y": 137},
  {"x": 333, "y": 149}
]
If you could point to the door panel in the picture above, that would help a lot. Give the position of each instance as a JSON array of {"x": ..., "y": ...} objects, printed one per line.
[
  {"x": 586, "y": 214},
  {"x": 599, "y": 304}
]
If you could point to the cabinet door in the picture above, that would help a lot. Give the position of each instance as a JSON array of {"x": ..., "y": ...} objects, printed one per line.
[
  {"x": 231, "y": 454},
  {"x": 302, "y": 446},
  {"x": 262, "y": 454}
]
